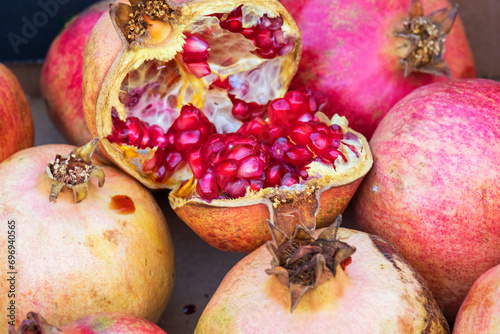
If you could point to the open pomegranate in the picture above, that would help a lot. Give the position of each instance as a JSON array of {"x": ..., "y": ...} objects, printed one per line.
[
  {"x": 342, "y": 281},
  {"x": 16, "y": 122},
  {"x": 299, "y": 159},
  {"x": 367, "y": 55},
  {"x": 434, "y": 188},
  {"x": 110, "y": 252},
  {"x": 61, "y": 78},
  {"x": 480, "y": 312},
  {"x": 101, "y": 323},
  {"x": 148, "y": 62}
]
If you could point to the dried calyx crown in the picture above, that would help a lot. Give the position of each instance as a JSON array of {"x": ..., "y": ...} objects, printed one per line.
[
  {"x": 74, "y": 171},
  {"x": 427, "y": 35},
  {"x": 302, "y": 262},
  {"x": 34, "y": 324}
]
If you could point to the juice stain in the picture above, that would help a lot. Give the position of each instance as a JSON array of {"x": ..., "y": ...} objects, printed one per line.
[
  {"x": 122, "y": 204},
  {"x": 189, "y": 309}
]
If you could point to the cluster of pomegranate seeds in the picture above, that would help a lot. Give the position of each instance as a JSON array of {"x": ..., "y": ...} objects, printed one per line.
[
  {"x": 266, "y": 35},
  {"x": 174, "y": 148},
  {"x": 195, "y": 55},
  {"x": 263, "y": 154}
]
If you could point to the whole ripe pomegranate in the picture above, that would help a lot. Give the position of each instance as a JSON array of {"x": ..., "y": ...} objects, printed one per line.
[
  {"x": 16, "y": 122},
  {"x": 111, "y": 252},
  {"x": 61, "y": 79},
  {"x": 100, "y": 323},
  {"x": 480, "y": 312},
  {"x": 434, "y": 188},
  {"x": 367, "y": 55},
  {"x": 147, "y": 60},
  {"x": 354, "y": 284},
  {"x": 299, "y": 163}
]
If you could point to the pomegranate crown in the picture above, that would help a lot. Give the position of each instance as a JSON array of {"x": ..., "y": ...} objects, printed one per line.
[
  {"x": 74, "y": 171},
  {"x": 427, "y": 36},
  {"x": 34, "y": 324},
  {"x": 302, "y": 262}
]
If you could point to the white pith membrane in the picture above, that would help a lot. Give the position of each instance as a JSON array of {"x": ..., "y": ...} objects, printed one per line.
[
  {"x": 165, "y": 86},
  {"x": 322, "y": 177}
]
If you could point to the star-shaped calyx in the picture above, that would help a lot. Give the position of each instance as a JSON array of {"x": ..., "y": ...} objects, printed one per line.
[
  {"x": 74, "y": 171},
  {"x": 144, "y": 23},
  {"x": 302, "y": 262},
  {"x": 427, "y": 35}
]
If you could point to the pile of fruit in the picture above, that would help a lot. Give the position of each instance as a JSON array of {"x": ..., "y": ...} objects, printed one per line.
[{"x": 264, "y": 119}]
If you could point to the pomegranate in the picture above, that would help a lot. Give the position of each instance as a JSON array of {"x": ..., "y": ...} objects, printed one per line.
[
  {"x": 481, "y": 308},
  {"x": 160, "y": 78},
  {"x": 367, "y": 55},
  {"x": 297, "y": 164},
  {"x": 61, "y": 79},
  {"x": 434, "y": 188},
  {"x": 110, "y": 252},
  {"x": 16, "y": 122},
  {"x": 354, "y": 284},
  {"x": 101, "y": 323}
]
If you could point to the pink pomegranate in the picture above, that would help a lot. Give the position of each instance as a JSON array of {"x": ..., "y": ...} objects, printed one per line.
[
  {"x": 434, "y": 188},
  {"x": 143, "y": 66},
  {"x": 100, "y": 323},
  {"x": 61, "y": 79},
  {"x": 351, "y": 52},
  {"x": 16, "y": 122},
  {"x": 354, "y": 284},
  {"x": 480, "y": 312},
  {"x": 110, "y": 252}
]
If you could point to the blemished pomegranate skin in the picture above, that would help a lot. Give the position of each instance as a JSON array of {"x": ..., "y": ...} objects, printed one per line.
[
  {"x": 377, "y": 293},
  {"x": 350, "y": 52},
  {"x": 111, "y": 252},
  {"x": 16, "y": 121},
  {"x": 480, "y": 312},
  {"x": 61, "y": 78},
  {"x": 100, "y": 323},
  {"x": 433, "y": 190}
]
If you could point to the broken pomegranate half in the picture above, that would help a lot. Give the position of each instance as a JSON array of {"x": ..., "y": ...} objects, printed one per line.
[
  {"x": 298, "y": 164},
  {"x": 160, "y": 78}
]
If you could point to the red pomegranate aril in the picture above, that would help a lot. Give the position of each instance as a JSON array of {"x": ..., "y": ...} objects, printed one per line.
[
  {"x": 321, "y": 103},
  {"x": 279, "y": 111},
  {"x": 334, "y": 143},
  {"x": 194, "y": 45},
  {"x": 249, "y": 33},
  {"x": 250, "y": 168},
  {"x": 276, "y": 131},
  {"x": 199, "y": 70},
  {"x": 299, "y": 132},
  {"x": 302, "y": 170},
  {"x": 322, "y": 128},
  {"x": 214, "y": 144},
  {"x": 285, "y": 49},
  {"x": 239, "y": 152},
  {"x": 195, "y": 162},
  {"x": 257, "y": 184},
  {"x": 273, "y": 174},
  {"x": 119, "y": 134},
  {"x": 240, "y": 110},
  {"x": 279, "y": 148},
  {"x": 332, "y": 155},
  {"x": 146, "y": 136},
  {"x": 299, "y": 102},
  {"x": 135, "y": 131},
  {"x": 264, "y": 157},
  {"x": 221, "y": 84},
  {"x": 265, "y": 22},
  {"x": 336, "y": 131},
  {"x": 237, "y": 188},
  {"x": 289, "y": 179},
  {"x": 170, "y": 137},
  {"x": 318, "y": 143},
  {"x": 189, "y": 119},
  {"x": 207, "y": 187},
  {"x": 307, "y": 117},
  {"x": 266, "y": 54},
  {"x": 160, "y": 173},
  {"x": 248, "y": 140},
  {"x": 256, "y": 127},
  {"x": 173, "y": 159},
  {"x": 278, "y": 39},
  {"x": 264, "y": 39},
  {"x": 276, "y": 23},
  {"x": 298, "y": 155},
  {"x": 225, "y": 172},
  {"x": 352, "y": 148},
  {"x": 214, "y": 158},
  {"x": 184, "y": 140},
  {"x": 154, "y": 163}
]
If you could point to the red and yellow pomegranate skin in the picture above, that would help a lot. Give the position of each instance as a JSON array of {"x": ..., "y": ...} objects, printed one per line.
[
  {"x": 111, "y": 252},
  {"x": 351, "y": 54},
  {"x": 61, "y": 79},
  {"x": 100, "y": 323},
  {"x": 480, "y": 312},
  {"x": 377, "y": 293},
  {"x": 434, "y": 188},
  {"x": 16, "y": 122}
]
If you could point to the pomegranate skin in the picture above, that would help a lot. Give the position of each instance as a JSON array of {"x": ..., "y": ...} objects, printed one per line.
[
  {"x": 350, "y": 53},
  {"x": 100, "y": 323},
  {"x": 433, "y": 190},
  {"x": 16, "y": 122},
  {"x": 378, "y": 293},
  {"x": 61, "y": 79},
  {"x": 107, "y": 253},
  {"x": 480, "y": 312}
]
